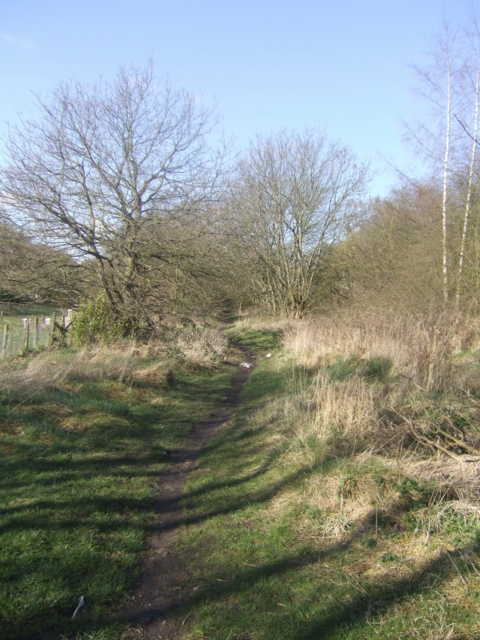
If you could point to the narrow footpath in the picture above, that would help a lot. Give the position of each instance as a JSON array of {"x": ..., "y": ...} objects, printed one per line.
[{"x": 160, "y": 591}]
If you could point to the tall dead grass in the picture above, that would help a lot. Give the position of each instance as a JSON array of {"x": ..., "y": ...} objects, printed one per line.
[
  {"x": 420, "y": 350},
  {"x": 345, "y": 407},
  {"x": 125, "y": 362},
  {"x": 48, "y": 369}
]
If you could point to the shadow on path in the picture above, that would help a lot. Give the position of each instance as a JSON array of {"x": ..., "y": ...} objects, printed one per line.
[{"x": 162, "y": 575}]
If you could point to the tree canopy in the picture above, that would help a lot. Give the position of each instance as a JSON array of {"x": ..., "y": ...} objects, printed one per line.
[{"x": 106, "y": 168}]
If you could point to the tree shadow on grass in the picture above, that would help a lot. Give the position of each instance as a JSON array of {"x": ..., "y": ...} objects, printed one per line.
[
  {"x": 98, "y": 515},
  {"x": 46, "y": 472},
  {"x": 373, "y": 598},
  {"x": 77, "y": 505}
]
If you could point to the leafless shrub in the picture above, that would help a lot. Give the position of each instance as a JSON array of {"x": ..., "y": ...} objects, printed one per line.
[{"x": 201, "y": 346}]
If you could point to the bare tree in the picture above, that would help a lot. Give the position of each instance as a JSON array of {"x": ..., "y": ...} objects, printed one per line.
[
  {"x": 33, "y": 271},
  {"x": 102, "y": 164},
  {"x": 294, "y": 196},
  {"x": 447, "y": 137}
]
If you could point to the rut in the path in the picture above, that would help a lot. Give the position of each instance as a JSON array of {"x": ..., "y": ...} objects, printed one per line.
[{"x": 160, "y": 590}]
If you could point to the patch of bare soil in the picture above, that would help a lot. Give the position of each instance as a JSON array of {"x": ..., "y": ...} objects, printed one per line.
[{"x": 161, "y": 588}]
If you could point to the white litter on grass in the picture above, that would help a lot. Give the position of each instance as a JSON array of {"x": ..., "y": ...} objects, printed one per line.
[
  {"x": 245, "y": 365},
  {"x": 269, "y": 355},
  {"x": 80, "y": 604}
]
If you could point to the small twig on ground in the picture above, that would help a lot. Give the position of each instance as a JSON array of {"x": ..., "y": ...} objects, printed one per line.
[{"x": 458, "y": 571}]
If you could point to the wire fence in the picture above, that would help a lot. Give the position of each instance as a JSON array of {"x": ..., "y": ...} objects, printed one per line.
[{"x": 20, "y": 334}]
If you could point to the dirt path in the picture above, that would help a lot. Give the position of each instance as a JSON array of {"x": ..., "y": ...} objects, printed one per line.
[{"x": 160, "y": 590}]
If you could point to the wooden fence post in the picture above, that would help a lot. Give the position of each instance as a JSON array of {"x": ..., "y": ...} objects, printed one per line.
[
  {"x": 35, "y": 333},
  {"x": 51, "y": 337},
  {"x": 5, "y": 341},
  {"x": 26, "y": 334}
]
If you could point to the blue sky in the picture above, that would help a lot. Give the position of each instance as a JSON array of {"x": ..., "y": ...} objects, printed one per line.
[{"x": 338, "y": 64}]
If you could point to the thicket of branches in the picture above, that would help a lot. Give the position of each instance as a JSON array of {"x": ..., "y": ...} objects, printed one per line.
[
  {"x": 35, "y": 271},
  {"x": 420, "y": 246},
  {"x": 116, "y": 192}
]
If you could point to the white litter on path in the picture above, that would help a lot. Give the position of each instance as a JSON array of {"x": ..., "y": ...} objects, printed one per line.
[
  {"x": 245, "y": 365},
  {"x": 269, "y": 355}
]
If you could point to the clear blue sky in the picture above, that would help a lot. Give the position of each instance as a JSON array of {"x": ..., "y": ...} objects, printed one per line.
[{"x": 341, "y": 64}]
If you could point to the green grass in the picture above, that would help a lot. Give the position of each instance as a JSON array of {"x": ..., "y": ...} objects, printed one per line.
[
  {"x": 260, "y": 568},
  {"x": 79, "y": 477},
  {"x": 374, "y": 369}
]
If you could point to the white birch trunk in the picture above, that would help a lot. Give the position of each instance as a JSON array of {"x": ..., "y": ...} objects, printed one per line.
[
  {"x": 466, "y": 218},
  {"x": 445, "y": 179}
]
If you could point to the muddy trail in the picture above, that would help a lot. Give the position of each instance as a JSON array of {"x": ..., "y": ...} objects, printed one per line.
[{"x": 160, "y": 592}]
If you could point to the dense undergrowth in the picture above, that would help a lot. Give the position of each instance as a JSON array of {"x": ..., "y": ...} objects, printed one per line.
[
  {"x": 342, "y": 500},
  {"x": 83, "y": 437}
]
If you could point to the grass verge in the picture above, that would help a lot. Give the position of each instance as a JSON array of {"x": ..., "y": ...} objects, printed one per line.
[
  {"x": 319, "y": 514},
  {"x": 84, "y": 436}
]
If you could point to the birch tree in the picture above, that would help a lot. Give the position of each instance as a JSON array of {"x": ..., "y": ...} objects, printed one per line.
[
  {"x": 449, "y": 86},
  {"x": 435, "y": 138},
  {"x": 470, "y": 125}
]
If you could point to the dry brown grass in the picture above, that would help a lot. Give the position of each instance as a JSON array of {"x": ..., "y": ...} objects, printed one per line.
[
  {"x": 421, "y": 350},
  {"x": 344, "y": 409},
  {"x": 366, "y": 421},
  {"x": 201, "y": 346},
  {"x": 125, "y": 362},
  {"x": 51, "y": 368}
]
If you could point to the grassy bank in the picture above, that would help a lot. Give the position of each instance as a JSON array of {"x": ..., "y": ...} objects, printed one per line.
[
  {"x": 84, "y": 436},
  {"x": 342, "y": 499}
]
